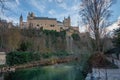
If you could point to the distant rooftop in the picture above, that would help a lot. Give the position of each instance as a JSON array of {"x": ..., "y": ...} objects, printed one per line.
[
  {"x": 59, "y": 21},
  {"x": 2, "y": 53}
]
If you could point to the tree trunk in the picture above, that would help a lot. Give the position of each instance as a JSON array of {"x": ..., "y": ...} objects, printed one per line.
[{"x": 97, "y": 39}]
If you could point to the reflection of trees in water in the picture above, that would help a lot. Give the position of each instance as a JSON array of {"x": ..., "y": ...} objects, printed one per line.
[
  {"x": 1, "y": 76},
  {"x": 49, "y": 73},
  {"x": 22, "y": 75},
  {"x": 8, "y": 76}
]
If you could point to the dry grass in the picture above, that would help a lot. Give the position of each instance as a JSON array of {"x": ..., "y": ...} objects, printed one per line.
[{"x": 100, "y": 61}]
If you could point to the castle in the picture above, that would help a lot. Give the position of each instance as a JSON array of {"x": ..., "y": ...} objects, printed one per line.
[{"x": 46, "y": 23}]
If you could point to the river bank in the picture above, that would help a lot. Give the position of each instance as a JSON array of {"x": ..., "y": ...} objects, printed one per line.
[
  {"x": 63, "y": 71},
  {"x": 43, "y": 62}
]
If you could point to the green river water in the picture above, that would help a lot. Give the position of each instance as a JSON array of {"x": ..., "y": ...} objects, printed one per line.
[{"x": 54, "y": 72}]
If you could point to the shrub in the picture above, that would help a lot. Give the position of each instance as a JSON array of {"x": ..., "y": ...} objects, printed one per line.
[
  {"x": 24, "y": 46},
  {"x": 16, "y": 57},
  {"x": 21, "y": 57},
  {"x": 76, "y": 37}
]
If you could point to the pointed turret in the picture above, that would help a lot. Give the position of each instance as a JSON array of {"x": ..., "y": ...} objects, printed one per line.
[
  {"x": 69, "y": 21},
  {"x": 21, "y": 18},
  {"x": 69, "y": 17},
  {"x": 21, "y": 21}
]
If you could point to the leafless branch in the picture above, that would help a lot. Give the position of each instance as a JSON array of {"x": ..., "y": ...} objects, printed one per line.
[{"x": 95, "y": 13}]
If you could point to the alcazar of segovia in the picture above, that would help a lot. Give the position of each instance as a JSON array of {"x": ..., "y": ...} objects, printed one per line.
[{"x": 46, "y": 23}]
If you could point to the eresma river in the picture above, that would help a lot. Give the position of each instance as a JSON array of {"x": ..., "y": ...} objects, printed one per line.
[{"x": 54, "y": 72}]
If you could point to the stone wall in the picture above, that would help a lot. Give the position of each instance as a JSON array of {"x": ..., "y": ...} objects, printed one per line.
[{"x": 2, "y": 58}]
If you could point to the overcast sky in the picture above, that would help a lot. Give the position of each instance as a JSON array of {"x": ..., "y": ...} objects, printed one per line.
[{"x": 50, "y": 8}]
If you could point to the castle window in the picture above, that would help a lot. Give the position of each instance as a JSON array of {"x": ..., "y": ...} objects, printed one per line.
[
  {"x": 61, "y": 28},
  {"x": 31, "y": 25},
  {"x": 37, "y": 24},
  {"x": 52, "y": 25}
]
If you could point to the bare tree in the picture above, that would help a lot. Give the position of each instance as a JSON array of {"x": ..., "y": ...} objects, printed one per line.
[
  {"x": 4, "y": 6},
  {"x": 95, "y": 14}
]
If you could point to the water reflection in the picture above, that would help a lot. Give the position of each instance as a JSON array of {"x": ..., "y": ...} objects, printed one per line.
[
  {"x": 56, "y": 72},
  {"x": 1, "y": 76}
]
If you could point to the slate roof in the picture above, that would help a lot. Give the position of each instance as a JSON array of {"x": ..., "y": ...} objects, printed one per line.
[
  {"x": 44, "y": 18},
  {"x": 59, "y": 22}
]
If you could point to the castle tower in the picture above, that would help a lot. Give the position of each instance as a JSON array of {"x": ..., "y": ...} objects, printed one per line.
[
  {"x": 21, "y": 21},
  {"x": 67, "y": 22},
  {"x": 31, "y": 15}
]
